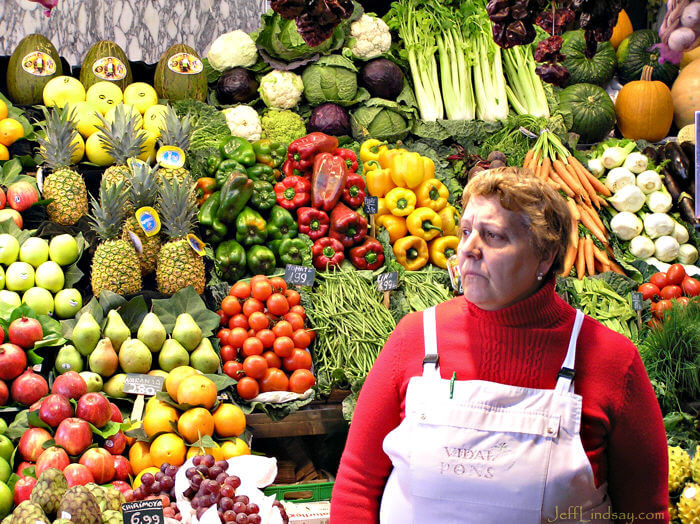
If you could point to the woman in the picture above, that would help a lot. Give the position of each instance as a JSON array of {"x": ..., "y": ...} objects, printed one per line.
[{"x": 506, "y": 405}]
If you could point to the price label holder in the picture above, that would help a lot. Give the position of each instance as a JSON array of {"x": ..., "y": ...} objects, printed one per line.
[
  {"x": 386, "y": 282},
  {"x": 638, "y": 305},
  {"x": 143, "y": 512},
  {"x": 371, "y": 207},
  {"x": 141, "y": 385},
  {"x": 299, "y": 275}
]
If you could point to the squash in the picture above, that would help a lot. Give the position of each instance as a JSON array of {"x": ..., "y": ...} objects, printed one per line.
[
  {"x": 644, "y": 108},
  {"x": 592, "y": 110},
  {"x": 106, "y": 61},
  {"x": 623, "y": 28},
  {"x": 635, "y": 51},
  {"x": 596, "y": 70},
  {"x": 33, "y": 63},
  {"x": 689, "y": 56},
  {"x": 180, "y": 74},
  {"x": 686, "y": 94}
]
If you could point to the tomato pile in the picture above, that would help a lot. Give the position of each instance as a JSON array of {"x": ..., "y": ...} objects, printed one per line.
[
  {"x": 263, "y": 338},
  {"x": 663, "y": 288}
]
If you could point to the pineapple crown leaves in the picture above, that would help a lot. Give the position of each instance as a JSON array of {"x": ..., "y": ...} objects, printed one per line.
[
  {"x": 57, "y": 145},
  {"x": 176, "y": 131},
  {"x": 122, "y": 137},
  {"x": 108, "y": 214},
  {"x": 144, "y": 187},
  {"x": 178, "y": 208}
]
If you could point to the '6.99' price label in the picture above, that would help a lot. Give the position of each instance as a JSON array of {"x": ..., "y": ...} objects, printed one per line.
[{"x": 143, "y": 512}]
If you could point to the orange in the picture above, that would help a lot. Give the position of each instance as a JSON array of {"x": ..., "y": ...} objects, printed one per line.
[
  {"x": 234, "y": 448},
  {"x": 177, "y": 375},
  {"x": 229, "y": 420},
  {"x": 4, "y": 153},
  {"x": 197, "y": 390},
  {"x": 215, "y": 452},
  {"x": 10, "y": 131},
  {"x": 194, "y": 423},
  {"x": 158, "y": 418},
  {"x": 623, "y": 28},
  {"x": 140, "y": 457},
  {"x": 3, "y": 109},
  {"x": 169, "y": 448},
  {"x": 137, "y": 481}
]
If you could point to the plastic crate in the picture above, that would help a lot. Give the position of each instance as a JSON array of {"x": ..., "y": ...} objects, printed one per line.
[{"x": 311, "y": 492}]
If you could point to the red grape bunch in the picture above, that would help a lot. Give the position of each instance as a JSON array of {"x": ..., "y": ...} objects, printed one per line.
[{"x": 162, "y": 486}]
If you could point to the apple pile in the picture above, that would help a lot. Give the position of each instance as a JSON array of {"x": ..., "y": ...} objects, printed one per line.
[
  {"x": 35, "y": 269},
  {"x": 21, "y": 195},
  {"x": 19, "y": 383},
  {"x": 665, "y": 287}
]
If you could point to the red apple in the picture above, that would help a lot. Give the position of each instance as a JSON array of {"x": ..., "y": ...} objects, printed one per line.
[
  {"x": 12, "y": 361},
  {"x": 52, "y": 457},
  {"x": 25, "y": 331},
  {"x": 30, "y": 445},
  {"x": 70, "y": 385},
  {"x": 94, "y": 407},
  {"x": 74, "y": 435},
  {"x": 54, "y": 409},
  {"x": 29, "y": 387},
  {"x": 22, "y": 466},
  {"x": 4, "y": 393},
  {"x": 122, "y": 468},
  {"x": 23, "y": 489},
  {"x": 116, "y": 443},
  {"x": 121, "y": 486},
  {"x": 77, "y": 475},
  {"x": 22, "y": 195},
  {"x": 2, "y": 331},
  {"x": 116, "y": 413},
  {"x": 11, "y": 214},
  {"x": 3, "y": 199},
  {"x": 100, "y": 463}
]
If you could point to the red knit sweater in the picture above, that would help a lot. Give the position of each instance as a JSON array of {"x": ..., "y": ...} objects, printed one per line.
[{"x": 522, "y": 345}]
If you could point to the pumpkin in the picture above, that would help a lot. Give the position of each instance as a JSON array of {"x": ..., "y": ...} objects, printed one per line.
[
  {"x": 598, "y": 69},
  {"x": 686, "y": 94},
  {"x": 644, "y": 108},
  {"x": 635, "y": 51},
  {"x": 591, "y": 109},
  {"x": 623, "y": 28}
]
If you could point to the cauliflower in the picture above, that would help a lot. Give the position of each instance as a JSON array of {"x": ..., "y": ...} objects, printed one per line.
[
  {"x": 244, "y": 122},
  {"x": 283, "y": 126},
  {"x": 234, "y": 49},
  {"x": 369, "y": 37},
  {"x": 281, "y": 89}
]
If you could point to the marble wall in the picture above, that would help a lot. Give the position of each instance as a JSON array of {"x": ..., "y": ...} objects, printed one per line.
[{"x": 143, "y": 28}]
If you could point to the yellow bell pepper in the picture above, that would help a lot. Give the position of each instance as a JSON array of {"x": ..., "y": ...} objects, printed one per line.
[
  {"x": 370, "y": 165},
  {"x": 425, "y": 223},
  {"x": 379, "y": 182},
  {"x": 395, "y": 226},
  {"x": 441, "y": 249},
  {"x": 369, "y": 150},
  {"x": 411, "y": 252},
  {"x": 428, "y": 168},
  {"x": 433, "y": 194},
  {"x": 382, "y": 208},
  {"x": 400, "y": 201},
  {"x": 386, "y": 155},
  {"x": 450, "y": 220},
  {"x": 407, "y": 169}
]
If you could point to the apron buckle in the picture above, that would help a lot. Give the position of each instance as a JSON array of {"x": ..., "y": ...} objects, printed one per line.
[
  {"x": 431, "y": 359},
  {"x": 567, "y": 373}
]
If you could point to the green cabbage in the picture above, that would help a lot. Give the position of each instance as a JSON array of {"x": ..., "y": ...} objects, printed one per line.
[
  {"x": 381, "y": 119},
  {"x": 332, "y": 78}
]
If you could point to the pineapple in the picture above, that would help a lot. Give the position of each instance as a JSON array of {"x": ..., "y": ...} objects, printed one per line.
[
  {"x": 122, "y": 140},
  {"x": 175, "y": 133},
  {"x": 143, "y": 191},
  {"x": 178, "y": 264},
  {"x": 65, "y": 186},
  {"x": 115, "y": 265}
]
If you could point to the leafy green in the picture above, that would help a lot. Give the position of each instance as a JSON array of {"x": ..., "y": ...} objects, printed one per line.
[
  {"x": 186, "y": 300},
  {"x": 332, "y": 78},
  {"x": 276, "y": 411},
  {"x": 459, "y": 130},
  {"x": 384, "y": 119},
  {"x": 681, "y": 430}
]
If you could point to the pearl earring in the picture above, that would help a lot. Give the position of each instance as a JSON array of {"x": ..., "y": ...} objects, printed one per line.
[{"x": 540, "y": 276}]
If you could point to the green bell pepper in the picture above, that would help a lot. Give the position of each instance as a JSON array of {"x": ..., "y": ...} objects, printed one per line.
[
  {"x": 250, "y": 227},
  {"x": 239, "y": 149},
  {"x": 226, "y": 168},
  {"x": 263, "y": 172},
  {"x": 208, "y": 217},
  {"x": 270, "y": 153},
  {"x": 281, "y": 224},
  {"x": 235, "y": 194},
  {"x": 231, "y": 260},
  {"x": 213, "y": 162},
  {"x": 264, "y": 196},
  {"x": 261, "y": 260},
  {"x": 291, "y": 251}
]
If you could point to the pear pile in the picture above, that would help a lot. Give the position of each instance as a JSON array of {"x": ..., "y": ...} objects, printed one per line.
[{"x": 103, "y": 356}]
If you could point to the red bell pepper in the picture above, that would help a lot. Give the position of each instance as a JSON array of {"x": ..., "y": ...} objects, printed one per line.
[
  {"x": 289, "y": 170},
  {"x": 368, "y": 255},
  {"x": 347, "y": 225},
  {"x": 313, "y": 222},
  {"x": 327, "y": 253},
  {"x": 327, "y": 181},
  {"x": 293, "y": 192},
  {"x": 349, "y": 156},
  {"x": 354, "y": 192},
  {"x": 303, "y": 150}
]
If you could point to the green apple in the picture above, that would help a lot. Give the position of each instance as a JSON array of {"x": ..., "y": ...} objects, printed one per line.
[
  {"x": 34, "y": 251},
  {"x": 3, "y": 426},
  {"x": 5, "y": 470},
  {"x": 39, "y": 299},
  {"x": 2, "y": 277},
  {"x": 49, "y": 275},
  {"x": 19, "y": 276},
  {"x": 67, "y": 303},
  {"x": 6, "y": 448},
  {"x": 10, "y": 297},
  {"x": 9, "y": 249},
  {"x": 5, "y": 500},
  {"x": 63, "y": 249}
]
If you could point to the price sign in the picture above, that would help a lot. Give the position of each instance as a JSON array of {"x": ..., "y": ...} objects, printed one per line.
[
  {"x": 371, "y": 205},
  {"x": 388, "y": 281},
  {"x": 300, "y": 275},
  {"x": 142, "y": 384},
  {"x": 637, "y": 301},
  {"x": 143, "y": 512}
]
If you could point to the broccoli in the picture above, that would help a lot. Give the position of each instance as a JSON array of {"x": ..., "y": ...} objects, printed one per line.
[{"x": 283, "y": 125}]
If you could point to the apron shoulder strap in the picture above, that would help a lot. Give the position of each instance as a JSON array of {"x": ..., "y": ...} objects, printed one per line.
[
  {"x": 565, "y": 380},
  {"x": 431, "y": 365}
]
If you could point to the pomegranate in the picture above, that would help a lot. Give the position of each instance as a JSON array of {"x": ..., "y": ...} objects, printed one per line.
[
  {"x": 29, "y": 387},
  {"x": 25, "y": 331},
  {"x": 70, "y": 385},
  {"x": 4, "y": 393},
  {"x": 12, "y": 361}
]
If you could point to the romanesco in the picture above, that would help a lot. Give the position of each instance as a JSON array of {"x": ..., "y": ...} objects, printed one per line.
[{"x": 283, "y": 125}]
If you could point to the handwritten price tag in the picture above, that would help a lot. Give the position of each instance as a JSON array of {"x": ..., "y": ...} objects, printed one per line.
[
  {"x": 637, "y": 301},
  {"x": 143, "y": 512},
  {"x": 300, "y": 275},
  {"x": 146, "y": 385},
  {"x": 387, "y": 281},
  {"x": 371, "y": 205}
]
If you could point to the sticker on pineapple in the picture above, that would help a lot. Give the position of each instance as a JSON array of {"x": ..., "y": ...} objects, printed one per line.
[
  {"x": 185, "y": 64},
  {"x": 39, "y": 64},
  {"x": 148, "y": 220},
  {"x": 170, "y": 157},
  {"x": 196, "y": 244},
  {"x": 109, "y": 68}
]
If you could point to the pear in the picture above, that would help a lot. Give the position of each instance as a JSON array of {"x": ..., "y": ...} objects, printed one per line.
[
  {"x": 68, "y": 359},
  {"x": 173, "y": 355},
  {"x": 114, "y": 387},
  {"x": 186, "y": 331},
  {"x": 86, "y": 334},
  {"x": 152, "y": 332},
  {"x": 104, "y": 360},
  {"x": 116, "y": 330},
  {"x": 134, "y": 356},
  {"x": 93, "y": 381},
  {"x": 204, "y": 358}
]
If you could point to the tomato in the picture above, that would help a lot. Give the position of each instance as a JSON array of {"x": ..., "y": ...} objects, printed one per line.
[
  {"x": 301, "y": 338},
  {"x": 675, "y": 274},
  {"x": 273, "y": 361},
  {"x": 300, "y": 359},
  {"x": 223, "y": 319},
  {"x": 261, "y": 289},
  {"x": 659, "y": 280},
  {"x": 684, "y": 301},
  {"x": 228, "y": 352},
  {"x": 258, "y": 278},
  {"x": 661, "y": 307},
  {"x": 240, "y": 290},
  {"x": 293, "y": 297},
  {"x": 233, "y": 369},
  {"x": 670, "y": 292},
  {"x": 312, "y": 334},
  {"x": 277, "y": 304},
  {"x": 298, "y": 309},
  {"x": 255, "y": 366},
  {"x": 239, "y": 320},
  {"x": 295, "y": 319},
  {"x": 649, "y": 291},
  {"x": 223, "y": 334},
  {"x": 267, "y": 337},
  {"x": 258, "y": 320},
  {"x": 283, "y": 329},
  {"x": 301, "y": 380},
  {"x": 252, "y": 305},
  {"x": 691, "y": 287},
  {"x": 237, "y": 336},
  {"x": 283, "y": 346},
  {"x": 231, "y": 306},
  {"x": 278, "y": 285},
  {"x": 251, "y": 333},
  {"x": 274, "y": 380},
  {"x": 251, "y": 346},
  {"x": 247, "y": 388}
]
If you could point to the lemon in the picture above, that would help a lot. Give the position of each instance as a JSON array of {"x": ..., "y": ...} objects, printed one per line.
[
  {"x": 154, "y": 118},
  {"x": 234, "y": 448},
  {"x": 137, "y": 481},
  {"x": 149, "y": 151},
  {"x": 131, "y": 111},
  {"x": 141, "y": 96},
  {"x": 79, "y": 151},
  {"x": 104, "y": 95},
  {"x": 96, "y": 152},
  {"x": 63, "y": 89}
]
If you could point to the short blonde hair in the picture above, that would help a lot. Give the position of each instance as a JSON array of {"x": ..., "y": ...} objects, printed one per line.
[{"x": 543, "y": 209}]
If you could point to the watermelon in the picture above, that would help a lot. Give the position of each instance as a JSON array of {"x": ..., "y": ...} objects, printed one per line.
[
  {"x": 106, "y": 61},
  {"x": 635, "y": 51},
  {"x": 180, "y": 74},
  {"x": 34, "y": 62},
  {"x": 592, "y": 110},
  {"x": 597, "y": 70}
]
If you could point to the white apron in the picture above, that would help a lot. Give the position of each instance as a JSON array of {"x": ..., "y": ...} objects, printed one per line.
[{"x": 474, "y": 451}]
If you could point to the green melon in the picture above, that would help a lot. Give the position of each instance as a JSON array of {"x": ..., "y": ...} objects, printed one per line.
[
  {"x": 26, "y": 74},
  {"x": 176, "y": 79},
  {"x": 635, "y": 51},
  {"x": 106, "y": 61},
  {"x": 598, "y": 69},
  {"x": 592, "y": 109}
]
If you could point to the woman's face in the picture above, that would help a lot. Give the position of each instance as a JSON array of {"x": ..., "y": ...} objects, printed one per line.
[{"x": 497, "y": 262}]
